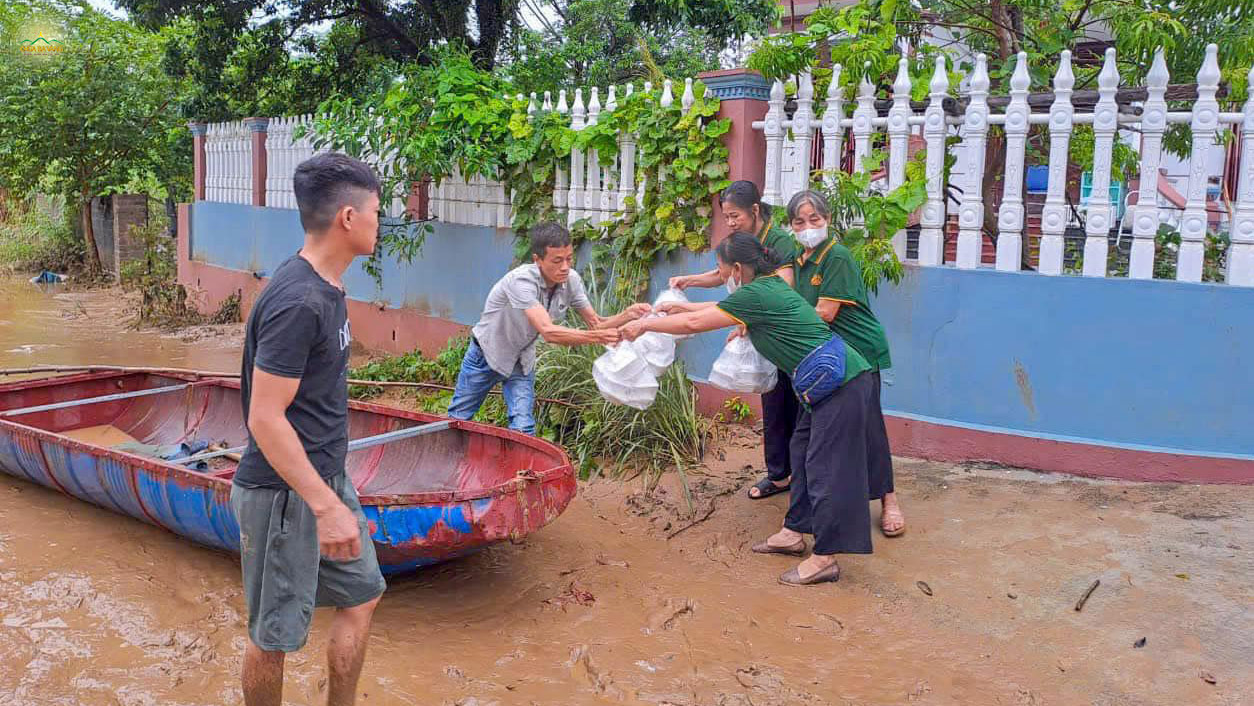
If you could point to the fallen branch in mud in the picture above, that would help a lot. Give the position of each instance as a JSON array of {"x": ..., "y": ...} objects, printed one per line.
[
  {"x": 692, "y": 524},
  {"x": 1079, "y": 606},
  {"x": 209, "y": 374}
]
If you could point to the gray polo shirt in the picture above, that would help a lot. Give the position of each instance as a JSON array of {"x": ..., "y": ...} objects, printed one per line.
[{"x": 504, "y": 333}]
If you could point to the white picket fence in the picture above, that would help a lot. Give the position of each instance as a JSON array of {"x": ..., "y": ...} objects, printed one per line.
[
  {"x": 283, "y": 152},
  {"x": 900, "y": 121},
  {"x": 589, "y": 185},
  {"x": 228, "y": 163}
]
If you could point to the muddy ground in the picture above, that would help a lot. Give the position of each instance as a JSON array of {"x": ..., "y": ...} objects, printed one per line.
[{"x": 641, "y": 598}]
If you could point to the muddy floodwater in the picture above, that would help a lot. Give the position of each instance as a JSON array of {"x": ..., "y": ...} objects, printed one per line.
[{"x": 643, "y": 598}]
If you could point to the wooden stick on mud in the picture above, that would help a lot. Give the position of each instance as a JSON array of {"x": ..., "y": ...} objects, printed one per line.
[{"x": 1079, "y": 606}]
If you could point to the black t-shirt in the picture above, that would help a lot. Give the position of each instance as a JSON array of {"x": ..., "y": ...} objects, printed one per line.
[{"x": 299, "y": 329}]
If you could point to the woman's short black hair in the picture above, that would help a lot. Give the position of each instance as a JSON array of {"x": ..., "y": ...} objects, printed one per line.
[
  {"x": 744, "y": 194},
  {"x": 548, "y": 235},
  {"x": 745, "y": 249},
  {"x": 328, "y": 182}
]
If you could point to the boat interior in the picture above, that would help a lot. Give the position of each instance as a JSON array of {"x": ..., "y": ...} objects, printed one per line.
[{"x": 172, "y": 419}]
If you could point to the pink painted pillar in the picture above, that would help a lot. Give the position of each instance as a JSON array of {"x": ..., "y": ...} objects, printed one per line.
[
  {"x": 257, "y": 127},
  {"x": 742, "y": 98},
  {"x": 198, "y": 159}
]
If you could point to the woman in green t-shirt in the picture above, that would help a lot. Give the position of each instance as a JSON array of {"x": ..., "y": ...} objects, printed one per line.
[
  {"x": 830, "y": 279},
  {"x": 744, "y": 210},
  {"x": 832, "y": 387}
]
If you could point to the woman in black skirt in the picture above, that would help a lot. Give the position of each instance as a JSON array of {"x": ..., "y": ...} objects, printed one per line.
[{"x": 832, "y": 383}]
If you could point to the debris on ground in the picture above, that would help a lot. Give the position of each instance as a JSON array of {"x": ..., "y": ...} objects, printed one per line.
[
  {"x": 1079, "y": 605},
  {"x": 927, "y": 590}
]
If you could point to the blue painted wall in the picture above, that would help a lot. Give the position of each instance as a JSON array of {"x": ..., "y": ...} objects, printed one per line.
[
  {"x": 458, "y": 266},
  {"x": 1160, "y": 365},
  {"x": 1153, "y": 364}
]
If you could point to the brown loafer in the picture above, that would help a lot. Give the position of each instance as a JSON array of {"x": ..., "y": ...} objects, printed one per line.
[
  {"x": 798, "y": 549},
  {"x": 792, "y": 577}
]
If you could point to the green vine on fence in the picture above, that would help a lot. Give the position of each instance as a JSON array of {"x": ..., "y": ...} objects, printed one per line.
[{"x": 453, "y": 118}]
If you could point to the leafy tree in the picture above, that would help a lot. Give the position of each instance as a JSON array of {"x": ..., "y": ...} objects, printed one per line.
[
  {"x": 245, "y": 56},
  {"x": 88, "y": 119},
  {"x": 596, "y": 44}
]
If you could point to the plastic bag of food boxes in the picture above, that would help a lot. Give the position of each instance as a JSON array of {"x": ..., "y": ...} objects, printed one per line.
[
  {"x": 741, "y": 368},
  {"x": 623, "y": 376}
]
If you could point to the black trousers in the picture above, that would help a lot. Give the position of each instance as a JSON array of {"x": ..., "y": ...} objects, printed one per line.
[
  {"x": 829, "y": 471},
  {"x": 779, "y": 419},
  {"x": 878, "y": 456}
]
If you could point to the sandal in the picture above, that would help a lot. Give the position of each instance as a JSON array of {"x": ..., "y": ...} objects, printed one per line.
[
  {"x": 798, "y": 549},
  {"x": 766, "y": 488},
  {"x": 792, "y": 577},
  {"x": 896, "y": 515}
]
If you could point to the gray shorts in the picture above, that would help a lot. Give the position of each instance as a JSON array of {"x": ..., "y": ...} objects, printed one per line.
[{"x": 285, "y": 575}]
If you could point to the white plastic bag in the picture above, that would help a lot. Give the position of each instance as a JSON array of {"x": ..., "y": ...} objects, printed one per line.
[
  {"x": 623, "y": 376},
  {"x": 741, "y": 368},
  {"x": 672, "y": 296},
  {"x": 658, "y": 351}
]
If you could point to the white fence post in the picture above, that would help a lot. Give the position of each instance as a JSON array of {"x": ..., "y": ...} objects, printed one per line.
[
  {"x": 773, "y": 129},
  {"x": 1010, "y": 218},
  {"x": 592, "y": 167},
  {"x": 935, "y": 131},
  {"x": 803, "y": 131},
  {"x": 1241, "y": 254},
  {"x": 899, "y": 141},
  {"x": 1054, "y": 215},
  {"x": 1105, "y": 124},
  {"x": 975, "y": 132},
  {"x": 833, "y": 132},
  {"x": 1205, "y": 124},
  {"x": 626, "y": 163},
  {"x": 1145, "y": 213},
  {"x": 643, "y": 178},
  {"x": 863, "y": 114},
  {"x": 561, "y": 194},
  {"x": 576, "y": 162}
]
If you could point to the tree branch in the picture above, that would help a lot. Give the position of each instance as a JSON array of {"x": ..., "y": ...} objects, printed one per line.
[{"x": 1075, "y": 23}]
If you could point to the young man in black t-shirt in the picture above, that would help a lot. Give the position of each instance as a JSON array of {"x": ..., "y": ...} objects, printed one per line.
[{"x": 303, "y": 537}]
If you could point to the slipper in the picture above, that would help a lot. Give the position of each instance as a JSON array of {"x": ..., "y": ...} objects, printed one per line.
[
  {"x": 766, "y": 488},
  {"x": 798, "y": 549},
  {"x": 897, "y": 532},
  {"x": 792, "y": 577}
]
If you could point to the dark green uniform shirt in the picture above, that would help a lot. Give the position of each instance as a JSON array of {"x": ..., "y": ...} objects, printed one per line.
[
  {"x": 782, "y": 241},
  {"x": 782, "y": 326},
  {"x": 832, "y": 273}
]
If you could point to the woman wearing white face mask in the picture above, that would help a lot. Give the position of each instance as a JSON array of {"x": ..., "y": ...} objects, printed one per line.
[
  {"x": 830, "y": 279},
  {"x": 832, "y": 385},
  {"x": 744, "y": 210}
]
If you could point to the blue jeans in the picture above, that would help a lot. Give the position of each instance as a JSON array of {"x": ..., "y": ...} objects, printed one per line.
[{"x": 477, "y": 379}]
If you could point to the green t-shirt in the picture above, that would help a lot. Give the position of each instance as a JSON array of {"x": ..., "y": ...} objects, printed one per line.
[
  {"x": 832, "y": 273},
  {"x": 782, "y": 326},
  {"x": 782, "y": 241}
]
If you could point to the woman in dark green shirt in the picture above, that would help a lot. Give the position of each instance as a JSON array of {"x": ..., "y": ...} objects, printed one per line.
[
  {"x": 744, "y": 210},
  {"x": 830, "y": 279},
  {"x": 833, "y": 389}
]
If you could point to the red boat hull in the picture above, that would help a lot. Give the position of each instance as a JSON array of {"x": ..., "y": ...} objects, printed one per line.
[{"x": 427, "y": 499}]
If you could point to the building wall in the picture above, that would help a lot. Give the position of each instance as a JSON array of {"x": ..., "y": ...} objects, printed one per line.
[{"x": 1110, "y": 377}]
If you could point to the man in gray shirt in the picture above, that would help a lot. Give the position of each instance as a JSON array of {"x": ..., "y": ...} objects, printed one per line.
[{"x": 522, "y": 308}]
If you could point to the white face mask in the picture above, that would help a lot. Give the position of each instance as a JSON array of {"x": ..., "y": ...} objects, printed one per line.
[
  {"x": 732, "y": 284},
  {"x": 811, "y": 237}
]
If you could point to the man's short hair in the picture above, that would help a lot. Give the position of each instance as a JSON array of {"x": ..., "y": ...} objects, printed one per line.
[
  {"x": 328, "y": 182},
  {"x": 548, "y": 235}
]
